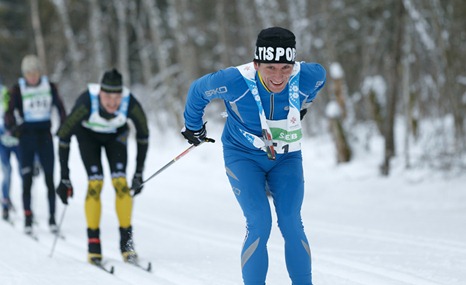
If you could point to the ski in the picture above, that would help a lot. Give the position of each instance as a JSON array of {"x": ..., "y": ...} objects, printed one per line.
[
  {"x": 146, "y": 267},
  {"x": 33, "y": 236},
  {"x": 99, "y": 265},
  {"x": 59, "y": 235},
  {"x": 9, "y": 221}
]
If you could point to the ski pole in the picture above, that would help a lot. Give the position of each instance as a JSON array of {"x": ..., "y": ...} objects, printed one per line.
[
  {"x": 58, "y": 230},
  {"x": 173, "y": 161}
]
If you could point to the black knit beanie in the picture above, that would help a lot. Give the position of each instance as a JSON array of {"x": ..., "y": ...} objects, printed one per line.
[
  {"x": 275, "y": 45},
  {"x": 112, "y": 82}
]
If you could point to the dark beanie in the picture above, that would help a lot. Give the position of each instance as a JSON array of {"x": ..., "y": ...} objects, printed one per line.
[
  {"x": 275, "y": 45},
  {"x": 112, "y": 82}
]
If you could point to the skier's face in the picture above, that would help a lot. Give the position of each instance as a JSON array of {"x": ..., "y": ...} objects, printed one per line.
[
  {"x": 110, "y": 101},
  {"x": 275, "y": 76},
  {"x": 32, "y": 77}
]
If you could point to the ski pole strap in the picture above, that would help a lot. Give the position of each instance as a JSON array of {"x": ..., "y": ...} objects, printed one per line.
[{"x": 269, "y": 148}]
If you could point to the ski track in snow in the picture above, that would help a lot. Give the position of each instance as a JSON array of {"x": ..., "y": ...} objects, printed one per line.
[
  {"x": 390, "y": 237},
  {"x": 192, "y": 240},
  {"x": 358, "y": 272}
]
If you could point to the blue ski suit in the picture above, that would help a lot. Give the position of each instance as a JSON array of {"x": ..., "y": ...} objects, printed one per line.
[
  {"x": 5, "y": 150},
  {"x": 249, "y": 170}
]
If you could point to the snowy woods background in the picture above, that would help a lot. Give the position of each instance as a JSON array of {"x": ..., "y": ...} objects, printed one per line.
[{"x": 391, "y": 63}]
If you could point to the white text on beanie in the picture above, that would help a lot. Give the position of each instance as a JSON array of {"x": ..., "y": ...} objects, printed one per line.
[{"x": 275, "y": 45}]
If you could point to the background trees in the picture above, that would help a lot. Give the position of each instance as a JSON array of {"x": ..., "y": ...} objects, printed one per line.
[{"x": 414, "y": 48}]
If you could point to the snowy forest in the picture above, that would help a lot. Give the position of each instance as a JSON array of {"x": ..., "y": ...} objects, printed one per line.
[{"x": 395, "y": 68}]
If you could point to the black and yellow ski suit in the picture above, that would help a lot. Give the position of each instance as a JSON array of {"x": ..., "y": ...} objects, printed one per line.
[{"x": 109, "y": 132}]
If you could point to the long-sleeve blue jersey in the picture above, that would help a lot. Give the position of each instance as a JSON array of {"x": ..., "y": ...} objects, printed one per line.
[{"x": 230, "y": 86}]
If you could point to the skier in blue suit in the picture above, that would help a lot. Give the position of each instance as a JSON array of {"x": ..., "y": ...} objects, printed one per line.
[
  {"x": 265, "y": 102},
  {"x": 8, "y": 145}
]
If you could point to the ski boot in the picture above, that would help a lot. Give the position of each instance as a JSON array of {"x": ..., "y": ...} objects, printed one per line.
[
  {"x": 94, "y": 255},
  {"x": 28, "y": 222},
  {"x": 53, "y": 225},
  {"x": 127, "y": 245},
  {"x": 5, "y": 214},
  {"x": 6, "y": 207}
]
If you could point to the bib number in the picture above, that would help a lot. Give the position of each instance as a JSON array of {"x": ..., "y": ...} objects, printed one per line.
[
  {"x": 284, "y": 140},
  {"x": 37, "y": 107}
]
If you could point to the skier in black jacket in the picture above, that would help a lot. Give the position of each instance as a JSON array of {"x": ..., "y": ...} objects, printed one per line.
[
  {"x": 99, "y": 121},
  {"x": 33, "y": 98}
]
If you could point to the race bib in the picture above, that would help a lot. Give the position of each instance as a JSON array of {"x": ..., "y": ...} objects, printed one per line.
[{"x": 284, "y": 140}]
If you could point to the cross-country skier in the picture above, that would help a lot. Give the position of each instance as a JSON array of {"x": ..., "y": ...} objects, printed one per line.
[
  {"x": 8, "y": 145},
  {"x": 265, "y": 102},
  {"x": 99, "y": 121},
  {"x": 33, "y": 98}
]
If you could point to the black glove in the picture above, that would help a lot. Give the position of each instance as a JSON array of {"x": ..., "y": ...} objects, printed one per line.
[
  {"x": 194, "y": 137},
  {"x": 65, "y": 190},
  {"x": 16, "y": 130},
  {"x": 136, "y": 184},
  {"x": 302, "y": 113}
]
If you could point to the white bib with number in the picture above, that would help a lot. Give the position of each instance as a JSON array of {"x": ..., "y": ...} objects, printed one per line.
[
  {"x": 286, "y": 134},
  {"x": 37, "y": 100}
]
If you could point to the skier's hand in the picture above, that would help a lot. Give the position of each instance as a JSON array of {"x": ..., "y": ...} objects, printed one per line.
[
  {"x": 9, "y": 140},
  {"x": 136, "y": 184},
  {"x": 65, "y": 190},
  {"x": 194, "y": 137}
]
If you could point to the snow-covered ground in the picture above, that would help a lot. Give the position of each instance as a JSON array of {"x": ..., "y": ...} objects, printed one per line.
[{"x": 409, "y": 228}]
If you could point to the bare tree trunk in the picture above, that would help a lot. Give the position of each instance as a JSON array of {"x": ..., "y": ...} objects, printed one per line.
[
  {"x": 222, "y": 33},
  {"x": 246, "y": 17},
  {"x": 75, "y": 55},
  {"x": 98, "y": 64},
  {"x": 36, "y": 26},
  {"x": 376, "y": 110},
  {"x": 339, "y": 136},
  {"x": 298, "y": 10},
  {"x": 441, "y": 24},
  {"x": 185, "y": 56},
  {"x": 169, "y": 91},
  {"x": 389, "y": 133},
  {"x": 338, "y": 123},
  {"x": 338, "y": 87},
  {"x": 155, "y": 25},
  {"x": 266, "y": 12},
  {"x": 144, "y": 47},
  {"x": 185, "y": 53},
  {"x": 406, "y": 95},
  {"x": 121, "y": 11},
  {"x": 341, "y": 142}
]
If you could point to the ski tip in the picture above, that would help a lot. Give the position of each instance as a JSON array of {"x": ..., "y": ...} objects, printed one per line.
[
  {"x": 33, "y": 236},
  {"x": 149, "y": 267},
  {"x": 112, "y": 270}
]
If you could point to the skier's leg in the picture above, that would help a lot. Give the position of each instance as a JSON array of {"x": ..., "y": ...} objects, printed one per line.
[
  {"x": 286, "y": 184},
  {"x": 93, "y": 204},
  {"x": 47, "y": 159},
  {"x": 6, "y": 170},
  {"x": 123, "y": 201},
  {"x": 27, "y": 145},
  {"x": 124, "y": 206},
  {"x": 117, "y": 157},
  {"x": 90, "y": 151},
  {"x": 247, "y": 180}
]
